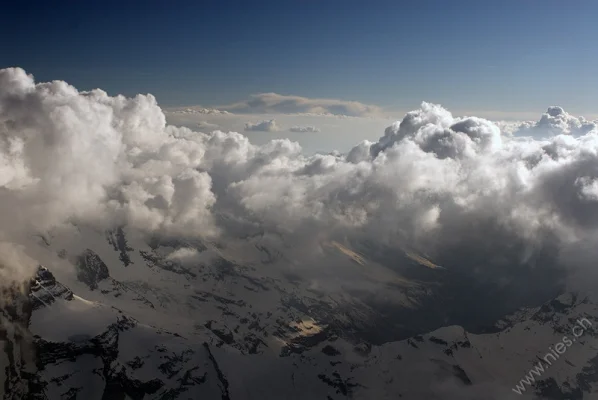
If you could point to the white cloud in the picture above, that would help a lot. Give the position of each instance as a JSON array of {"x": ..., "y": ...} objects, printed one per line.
[
  {"x": 336, "y": 133},
  {"x": 185, "y": 255},
  {"x": 92, "y": 157},
  {"x": 555, "y": 121},
  {"x": 197, "y": 110},
  {"x": 303, "y": 129},
  {"x": 263, "y": 126},
  {"x": 264, "y": 103},
  {"x": 449, "y": 185},
  {"x": 206, "y": 126}
]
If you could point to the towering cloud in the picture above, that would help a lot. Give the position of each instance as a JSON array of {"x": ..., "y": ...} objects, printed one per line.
[
  {"x": 432, "y": 181},
  {"x": 555, "y": 121},
  {"x": 86, "y": 156}
]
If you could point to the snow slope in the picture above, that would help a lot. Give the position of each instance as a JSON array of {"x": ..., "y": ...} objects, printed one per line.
[{"x": 119, "y": 315}]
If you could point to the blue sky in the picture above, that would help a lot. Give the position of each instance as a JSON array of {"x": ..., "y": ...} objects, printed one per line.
[{"x": 507, "y": 56}]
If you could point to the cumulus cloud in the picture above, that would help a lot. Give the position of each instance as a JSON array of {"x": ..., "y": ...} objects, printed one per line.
[
  {"x": 555, "y": 121},
  {"x": 308, "y": 128},
  {"x": 445, "y": 184},
  {"x": 263, "y": 126},
  {"x": 264, "y": 103},
  {"x": 433, "y": 181},
  {"x": 87, "y": 156}
]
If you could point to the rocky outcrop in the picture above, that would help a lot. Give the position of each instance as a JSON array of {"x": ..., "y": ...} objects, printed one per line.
[{"x": 91, "y": 269}]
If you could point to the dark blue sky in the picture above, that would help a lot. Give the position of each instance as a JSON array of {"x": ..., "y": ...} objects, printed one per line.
[{"x": 511, "y": 55}]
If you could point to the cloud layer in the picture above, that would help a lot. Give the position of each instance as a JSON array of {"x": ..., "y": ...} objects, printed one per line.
[
  {"x": 199, "y": 111},
  {"x": 265, "y": 103},
  {"x": 433, "y": 181}
]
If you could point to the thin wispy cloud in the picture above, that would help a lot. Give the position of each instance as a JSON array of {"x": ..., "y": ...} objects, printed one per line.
[{"x": 206, "y": 126}]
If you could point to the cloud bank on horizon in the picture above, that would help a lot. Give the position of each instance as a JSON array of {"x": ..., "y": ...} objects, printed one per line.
[
  {"x": 266, "y": 103},
  {"x": 433, "y": 181}
]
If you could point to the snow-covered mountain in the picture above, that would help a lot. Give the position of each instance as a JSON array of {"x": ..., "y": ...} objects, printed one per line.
[{"x": 117, "y": 315}]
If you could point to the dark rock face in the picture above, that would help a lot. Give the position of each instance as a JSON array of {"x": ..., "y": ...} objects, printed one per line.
[
  {"x": 221, "y": 377},
  {"x": 119, "y": 242},
  {"x": 330, "y": 351},
  {"x": 343, "y": 387},
  {"x": 154, "y": 260},
  {"x": 17, "y": 346},
  {"x": 45, "y": 290},
  {"x": 461, "y": 374},
  {"x": 175, "y": 369},
  {"x": 91, "y": 269},
  {"x": 105, "y": 347}
]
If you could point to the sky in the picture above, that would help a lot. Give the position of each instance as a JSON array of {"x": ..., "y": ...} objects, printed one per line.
[{"x": 504, "y": 60}]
